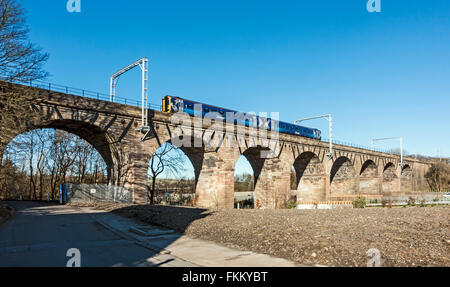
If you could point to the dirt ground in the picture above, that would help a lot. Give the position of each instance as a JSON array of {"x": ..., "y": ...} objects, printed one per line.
[{"x": 412, "y": 236}]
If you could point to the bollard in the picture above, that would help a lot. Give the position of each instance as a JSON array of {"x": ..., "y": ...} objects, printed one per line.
[{"x": 62, "y": 194}]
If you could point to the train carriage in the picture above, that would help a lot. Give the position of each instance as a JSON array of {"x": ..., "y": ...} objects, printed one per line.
[{"x": 180, "y": 105}]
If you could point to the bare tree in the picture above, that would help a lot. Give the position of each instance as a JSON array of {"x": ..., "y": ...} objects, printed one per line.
[
  {"x": 31, "y": 166},
  {"x": 167, "y": 159},
  {"x": 438, "y": 177},
  {"x": 41, "y": 160},
  {"x": 244, "y": 182},
  {"x": 19, "y": 59}
]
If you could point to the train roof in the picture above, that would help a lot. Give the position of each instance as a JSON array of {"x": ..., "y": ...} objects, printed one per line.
[{"x": 195, "y": 102}]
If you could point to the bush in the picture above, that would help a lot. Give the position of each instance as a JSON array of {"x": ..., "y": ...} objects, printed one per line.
[
  {"x": 291, "y": 204},
  {"x": 411, "y": 201},
  {"x": 360, "y": 202},
  {"x": 423, "y": 203}
]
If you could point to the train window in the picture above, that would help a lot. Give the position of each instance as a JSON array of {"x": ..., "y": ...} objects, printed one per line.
[
  {"x": 190, "y": 106},
  {"x": 206, "y": 110}
]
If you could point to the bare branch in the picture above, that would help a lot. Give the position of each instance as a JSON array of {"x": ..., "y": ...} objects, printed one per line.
[{"x": 20, "y": 60}]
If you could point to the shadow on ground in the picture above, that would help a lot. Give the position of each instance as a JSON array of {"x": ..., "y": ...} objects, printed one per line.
[
  {"x": 40, "y": 234},
  {"x": 176, "y": 218}
]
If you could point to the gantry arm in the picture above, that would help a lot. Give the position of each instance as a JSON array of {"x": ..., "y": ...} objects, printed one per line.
[{"x": 143, "y": 64}]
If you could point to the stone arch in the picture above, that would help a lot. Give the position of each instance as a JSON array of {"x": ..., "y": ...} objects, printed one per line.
[
  {"x": 185, "y": 181},
  {"x": 189, "y": 146},
  {"x": 213, "y": 163},
  {"x": 369, "y": 168},
  {"x": 112, "y": 134},
  {"x": 343, "y": 178},
  {"x": 42, "y": 188},
  {"x": 196, "y": 156},
  {"x": 243, "y": 183},
  {"x": 253, "y": 155},
  {"x": 310, "y": 177},
  {"x": 390, "y": 178},
  {"x": 368, "y": 178},
  {"x": 92, "y": 134},
  {"x": 406, "y": 178},
  {"x": 271, "y": 177},
  {"x": 390, "y": 166},
  {"x": 406, "y": 168}
]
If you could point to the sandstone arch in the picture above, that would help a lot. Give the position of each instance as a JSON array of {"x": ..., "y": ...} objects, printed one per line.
[
  {"x": 369, "y": 180},
  {"x": 390, "y": 178},
  {"x": 343, "y": 178},
  {"x": 310, "y": 177}
]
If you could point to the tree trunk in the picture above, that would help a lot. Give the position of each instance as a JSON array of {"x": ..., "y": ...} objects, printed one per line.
[{"x": 152, "y": 192}]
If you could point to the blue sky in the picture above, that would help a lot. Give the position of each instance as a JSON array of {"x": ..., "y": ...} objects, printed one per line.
[{"x": 380, "y": 74}]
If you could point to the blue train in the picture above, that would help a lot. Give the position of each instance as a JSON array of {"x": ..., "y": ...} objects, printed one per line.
[{"x": 175, "y": 104}]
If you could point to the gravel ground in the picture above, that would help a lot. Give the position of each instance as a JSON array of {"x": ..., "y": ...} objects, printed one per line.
[{"x": 413, "y": 236}]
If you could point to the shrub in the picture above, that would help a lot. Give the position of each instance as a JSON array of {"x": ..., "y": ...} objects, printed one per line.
[
  {"x": 411, "y": 201},
  {"x": 360, "y": 202},
  {"x": 423, "y": 203},
  {"x": 292, "y": 204}
]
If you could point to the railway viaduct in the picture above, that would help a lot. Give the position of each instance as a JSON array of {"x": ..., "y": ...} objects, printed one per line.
[{"x": 112, "y": 129}]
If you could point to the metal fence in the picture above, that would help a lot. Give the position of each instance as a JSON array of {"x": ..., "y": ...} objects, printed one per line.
[
  {"x": 343, "y": 143},
  {"x": 98, "y": 192}
]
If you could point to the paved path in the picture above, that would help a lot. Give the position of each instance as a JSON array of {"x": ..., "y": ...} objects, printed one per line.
[{"x": 40, "y": 235}]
